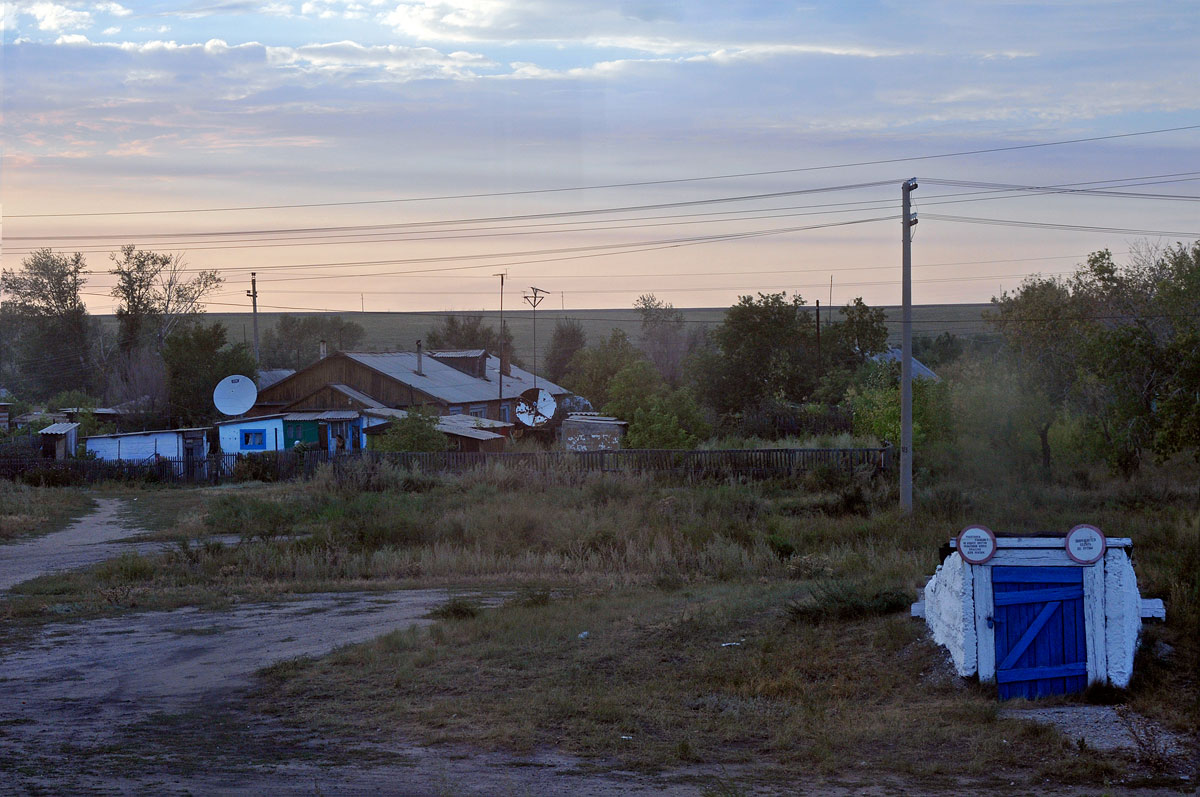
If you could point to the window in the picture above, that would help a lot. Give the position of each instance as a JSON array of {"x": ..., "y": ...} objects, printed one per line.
[
  {"x": 504, "y": 412},
  {"x": 254, "y": 439},
  {"x": 479, "y": 410},
  {"x": 455, "y": 410}
]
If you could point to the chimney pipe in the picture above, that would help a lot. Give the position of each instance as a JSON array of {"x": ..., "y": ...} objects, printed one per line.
[
  {"x": 419, "y": 371},
  {"x": 324, "y": 350},
  {"x": 505, "y": 363}
]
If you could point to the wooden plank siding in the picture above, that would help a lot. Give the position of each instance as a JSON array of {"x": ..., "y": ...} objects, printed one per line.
[{"x": 337, "y": 369}]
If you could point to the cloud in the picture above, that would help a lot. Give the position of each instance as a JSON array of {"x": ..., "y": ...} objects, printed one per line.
[
  {"x": 112, "y": 9},
  {"x": 53, "y": 17}
]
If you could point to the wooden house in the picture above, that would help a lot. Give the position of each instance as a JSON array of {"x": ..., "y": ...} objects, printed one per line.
[{"x": 469, "y": 382}]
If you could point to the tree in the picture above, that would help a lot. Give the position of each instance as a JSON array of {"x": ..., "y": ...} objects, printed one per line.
[
  {"x": 592, "y": 369},
  {"x": 45, "y": 301},
  {"x": 197, "y": 358},
  {"x": 1042, "y": 333},
  {"x": 568, "y": 338},
  {"x": 417, "y": 431},
  {"x": 764, "y": 349},
  {"x": 155, "y": 296},
  {"x": 662, "y": 337},
  {"x": 468, "y": 332},
  {"x": 295, "y": 342}
]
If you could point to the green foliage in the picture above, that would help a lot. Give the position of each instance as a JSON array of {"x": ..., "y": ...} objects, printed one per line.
[
  {"x": 417, "y": 431},
  {"x": 469, "y": 332},
  {"x": 937, "y": 352},
  {"x": 567, "y": 339},
  {"x": 295, "y": 341},
  {"x": 46, "y": 318},
  {"x": 592, "y": 369},
  {"x": 662, "y": 337},
  {"x": 71, "y": 398},
  {"x": 657, "y": 427},
  {"x": 197, "y": 358},
  {"x": 876, "y": 407}
]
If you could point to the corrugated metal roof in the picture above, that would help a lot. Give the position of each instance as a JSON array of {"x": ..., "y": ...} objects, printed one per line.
[
  {"x": 357, "y": 395},
  {"x": 322, "y": 415},
  {"x": 460, "y": 425},
  {"x": 270, "y": 376},
  {"x": 59, "y": 428},
  {"x": 449, "y": 384},
  {"x": 456, "y": 353},
  {"x": 150, "y": 431}
]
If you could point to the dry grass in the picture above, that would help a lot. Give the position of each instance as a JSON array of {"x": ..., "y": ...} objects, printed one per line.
[
  {"x": 718, "y": 675},
  {"x": 33, "y": 511}
]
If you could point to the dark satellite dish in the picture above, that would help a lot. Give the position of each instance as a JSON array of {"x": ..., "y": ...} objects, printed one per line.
[
  {"x": 235, "y": 394},
  {"x": 536, "y": 407}
]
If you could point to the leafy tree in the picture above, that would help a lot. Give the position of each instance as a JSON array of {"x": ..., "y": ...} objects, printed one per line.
[
  {"x": 942, "y": 350},
  {"x": 71, "y": 398},
  {"x": 765, "y": 348},
  {"x": 45, "y": 303},
  {"x": 657, "y": 427},
  {"x": 876, "y": 406},
  {"x": 593, "y": 368},
  {"x": 567, "y": 339},
  {"x": 663, "y": 338},
  {"x": 295, "y": 341},
  {"x": 468, "y": 332},
  {"x": 197, "y": 358},
  {"x": 636, "y": 386},
  {"x": 155, "y": 295},
  {"x": 417, "y": 431},
  {"x": 1041, "y": 328}
]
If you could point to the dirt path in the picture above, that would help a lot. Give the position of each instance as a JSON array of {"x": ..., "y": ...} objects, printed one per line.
[
  {"x": 153, "y": 701},
  {"x": 88, "y": 540}
]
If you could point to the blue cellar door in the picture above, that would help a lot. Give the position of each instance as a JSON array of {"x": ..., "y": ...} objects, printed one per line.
[{"x": 1041, "y": 645}]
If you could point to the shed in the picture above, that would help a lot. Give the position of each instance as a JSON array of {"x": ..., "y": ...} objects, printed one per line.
[
  {"x": 59, "y": 440},
  {"x": 590, "y": 431},
  {"x": 189, "y": 443},
  {"x": 252, "y": 435},
  {"x": 466, "y": 432},
  {"x": 1038, "y": 615}
]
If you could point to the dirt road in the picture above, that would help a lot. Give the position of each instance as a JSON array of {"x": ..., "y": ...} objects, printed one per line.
[{"x": 88, "y": 540}]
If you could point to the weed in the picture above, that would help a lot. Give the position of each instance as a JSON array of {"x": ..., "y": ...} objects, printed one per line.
[
  {"x": 457, "y": 608},
  {"x": 843, "y": 600},
  {"x": 1147, "y": 737}
]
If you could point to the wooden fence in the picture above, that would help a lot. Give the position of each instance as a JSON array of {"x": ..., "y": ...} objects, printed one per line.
[{"x": 285, "y": 465}]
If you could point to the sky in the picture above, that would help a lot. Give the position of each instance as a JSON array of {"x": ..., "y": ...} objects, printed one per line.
[{"x": 382, "y": 155}]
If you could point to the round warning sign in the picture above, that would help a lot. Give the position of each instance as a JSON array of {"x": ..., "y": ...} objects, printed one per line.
[
  {"x": 976, "y": 544},
  {"x": 1085, "y": 544}
]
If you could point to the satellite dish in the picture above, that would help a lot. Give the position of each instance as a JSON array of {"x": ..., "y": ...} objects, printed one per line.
[
  {"x": 536, "y": 407},
  {"x": 235, "y": 394}
]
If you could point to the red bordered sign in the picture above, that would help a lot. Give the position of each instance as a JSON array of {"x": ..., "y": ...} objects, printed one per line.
[
  {"x": 976, "y": 544},
  {"x": 1086, "y": 544}
]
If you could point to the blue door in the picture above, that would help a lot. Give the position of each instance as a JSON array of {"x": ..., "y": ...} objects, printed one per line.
[{"x": 1041, "y": 645}]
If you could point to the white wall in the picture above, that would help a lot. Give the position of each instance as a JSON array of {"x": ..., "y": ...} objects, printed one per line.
[
  {"x": 137, "y": 447},
  {"x": 1122, "y": 616},
  {"x": 950, "y": 613},
  {"x": 230, "y": 435}
]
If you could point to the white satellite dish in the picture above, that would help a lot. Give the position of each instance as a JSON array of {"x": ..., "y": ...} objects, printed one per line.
[
  {"x": 536, "y": 407},
  {"x": 235, "y": 394}
]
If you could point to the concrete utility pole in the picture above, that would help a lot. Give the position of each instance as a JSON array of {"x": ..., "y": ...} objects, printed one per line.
[
  {"x": 907, "y": 221},
  {"x": 500, "y": 375},
  {"x": 253, "y": 294}
]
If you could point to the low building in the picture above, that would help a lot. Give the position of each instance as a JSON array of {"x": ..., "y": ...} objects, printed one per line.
[
  {"x": 189, "y": 443},
  {"x": 59, "y": 440},
  {"x": 252, "y": 435},
  {"x": 590, "y": 431},
  {"x": 466, "y": 432}
]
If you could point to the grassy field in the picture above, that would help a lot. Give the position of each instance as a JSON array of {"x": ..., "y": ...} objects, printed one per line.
[
  {"x": 400, "y": 331},
  {"x": 652, "y": 624}
]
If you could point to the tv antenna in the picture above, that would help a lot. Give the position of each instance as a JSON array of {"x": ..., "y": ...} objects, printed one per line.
[{"x": 536, "y": 407}]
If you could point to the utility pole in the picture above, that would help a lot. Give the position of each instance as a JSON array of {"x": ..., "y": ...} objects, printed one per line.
[
  {"x": 500, "y": 377},
  {"x": 818, "y": 338},
  {"x": 253, "y": 294},
  {"x": 534, "y": 300},
  {"x": 907, "y": 222}
]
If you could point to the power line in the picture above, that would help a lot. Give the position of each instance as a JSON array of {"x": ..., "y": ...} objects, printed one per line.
[
  {"x": 1038, "y": 225},
  {"x": 798, "y": 170}
]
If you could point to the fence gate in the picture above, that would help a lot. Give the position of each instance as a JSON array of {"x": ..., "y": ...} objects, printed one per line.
[{"x": 1041, "y": 644}]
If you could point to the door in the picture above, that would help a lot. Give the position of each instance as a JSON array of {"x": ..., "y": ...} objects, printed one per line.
[{"x": 1041, "y": 645}]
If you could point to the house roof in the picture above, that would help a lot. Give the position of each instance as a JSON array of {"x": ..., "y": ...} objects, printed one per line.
[
  {"x": 447, "y": 383},
  {"x": 592, "y": 417},
  {"x": 920, "y": 370},
  {"x": 321, "y": 415},
  {"x": 150, "y": 431},
  {"x": 456, "y": 353},
  {"x": 459, "y": 425},
  {"x": 59, "y": 428},
  {"x": 251, "y": 419},
  {"x": 357, "y": 395},
  {"x": 270, "y": 376}
]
